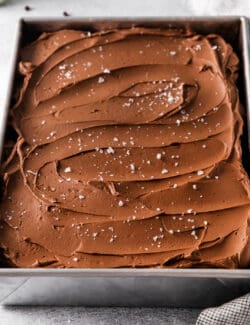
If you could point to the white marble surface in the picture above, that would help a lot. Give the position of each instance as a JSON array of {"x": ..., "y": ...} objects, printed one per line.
[
  {"x": 9, "y": 15},
  {"x": 93, "y": 316}
]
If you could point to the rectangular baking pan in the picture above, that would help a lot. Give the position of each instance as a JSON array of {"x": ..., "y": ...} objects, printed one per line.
[{"x": 131, "y": 287}]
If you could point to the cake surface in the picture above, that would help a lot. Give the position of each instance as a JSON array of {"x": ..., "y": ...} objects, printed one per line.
[{"x": 128, "y": 153}]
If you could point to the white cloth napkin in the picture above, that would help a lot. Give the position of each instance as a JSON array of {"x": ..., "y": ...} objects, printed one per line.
[{"x": 235, "y": 312}]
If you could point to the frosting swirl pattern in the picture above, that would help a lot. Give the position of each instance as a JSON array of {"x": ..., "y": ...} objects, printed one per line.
[{"x": 128, "y": 153}]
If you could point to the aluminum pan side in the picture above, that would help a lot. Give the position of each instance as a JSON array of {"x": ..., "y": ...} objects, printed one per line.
[{"x": 130, "y": 287}]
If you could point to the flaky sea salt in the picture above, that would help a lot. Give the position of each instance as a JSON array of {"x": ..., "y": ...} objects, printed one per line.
[
  {"x": 193, "y": 233},
  {"x": 121, "y": 203},
  {"x": 68, "y": 74},
  {"x": 110, "y": 150},
  {"x": 132, "y": 167},
  {"x": 101, "y": 80}
]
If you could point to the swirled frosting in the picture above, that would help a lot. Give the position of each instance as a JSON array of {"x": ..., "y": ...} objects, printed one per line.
[{"x": 128, "y": 153}]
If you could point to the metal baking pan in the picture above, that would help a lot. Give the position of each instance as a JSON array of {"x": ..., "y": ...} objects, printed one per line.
[{"x": 131, "y": 287}]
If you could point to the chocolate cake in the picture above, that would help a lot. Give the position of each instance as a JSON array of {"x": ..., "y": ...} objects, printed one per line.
[{"x": 128, "y": 153}]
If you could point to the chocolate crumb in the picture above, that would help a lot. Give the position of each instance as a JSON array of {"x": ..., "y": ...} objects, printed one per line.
[
  {"x": 66, "y": 14},
  {"x": 27, "y": 8}
]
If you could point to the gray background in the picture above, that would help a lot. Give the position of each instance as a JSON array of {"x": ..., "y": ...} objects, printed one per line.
[{"x": 9, "y": 15}]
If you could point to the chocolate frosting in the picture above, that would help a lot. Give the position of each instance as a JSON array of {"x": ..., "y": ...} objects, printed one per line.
[{"x": 128, "y": 153}]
